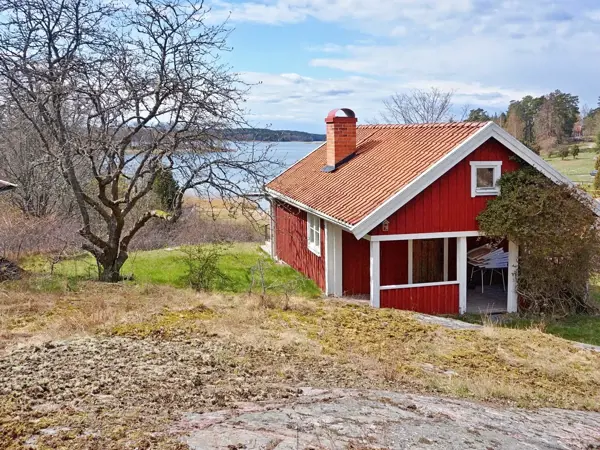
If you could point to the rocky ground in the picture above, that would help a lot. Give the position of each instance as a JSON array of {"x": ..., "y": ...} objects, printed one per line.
[
  {"x": 113, "y": 392},
  {"x": 367, "y": 419},
  {"x": 139, "y": 368}
]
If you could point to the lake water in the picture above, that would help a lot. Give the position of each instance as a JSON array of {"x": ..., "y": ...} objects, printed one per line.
[
  {"x": 290, "y": 152},
  {"x": 287, "y": 153}
]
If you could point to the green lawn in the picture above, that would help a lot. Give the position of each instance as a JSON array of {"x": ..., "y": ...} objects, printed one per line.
[
  {"x": 577, "y": 169},
  {"x": 168, "y": 267}
]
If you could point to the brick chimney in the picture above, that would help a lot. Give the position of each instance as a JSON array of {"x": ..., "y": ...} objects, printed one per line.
[{"x": 341, "y": 138}]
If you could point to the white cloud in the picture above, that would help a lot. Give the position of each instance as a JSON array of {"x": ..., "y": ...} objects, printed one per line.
[
  {"x": 363, "y": 14},
  {"x": 399, "y": 17},
  {"x": 488, "y": 51},
  {"x": 274, "y": 14},
  {"x": 593, "y": 15},
  {"x": 539, "y": 63},
  {"x": 327, "y": 48},
  {"x": 292, "y": 97}
]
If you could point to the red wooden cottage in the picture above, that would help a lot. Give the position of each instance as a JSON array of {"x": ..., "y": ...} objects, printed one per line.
[{"x": 389, "y": 212}]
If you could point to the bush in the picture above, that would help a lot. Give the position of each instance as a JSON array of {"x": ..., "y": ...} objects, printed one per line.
[
  {"x": 559, "y": 244},
  {"x": 166, "y": 188},
  {"x": 202, "y": 265},
  {"x": 193, "y": 228},
  {"x": 563, "y": 152},
  {"x": 575, "y": 151}
]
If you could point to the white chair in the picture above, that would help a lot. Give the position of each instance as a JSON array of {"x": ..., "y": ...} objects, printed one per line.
[{"x": 488, "y": 258}]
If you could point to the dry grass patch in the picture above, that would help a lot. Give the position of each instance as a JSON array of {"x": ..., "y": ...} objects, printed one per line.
[
  {"x": 161, "y": 351},
  {"x": 305, "y": 341},
  {"x": 524, "y": 367},
  {"x": 29, "y": 315}
]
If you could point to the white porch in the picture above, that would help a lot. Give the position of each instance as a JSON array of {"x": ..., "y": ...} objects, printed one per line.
[{"x": 450, "y": 278}]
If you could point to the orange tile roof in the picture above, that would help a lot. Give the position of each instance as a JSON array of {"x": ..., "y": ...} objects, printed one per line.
[{"x": 388, "y": 158}]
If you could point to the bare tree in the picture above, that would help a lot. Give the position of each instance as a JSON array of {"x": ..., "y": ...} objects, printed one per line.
[
  {"x": 125, "y": 91},
  {"x": 585, "y": 111},
  {"x": 41, "y": 190},
  {"x": 419, "y": 106}
]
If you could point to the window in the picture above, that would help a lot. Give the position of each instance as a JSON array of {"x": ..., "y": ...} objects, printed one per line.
[
  {"x": 314, "y": 234},
  {"x": 484, "y": 177}
]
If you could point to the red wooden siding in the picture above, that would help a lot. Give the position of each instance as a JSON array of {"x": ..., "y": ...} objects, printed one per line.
[
  {"x": 292, "y": 243},
  {"x": 447, "y": 204},
  {"x": 394, "y": 263},
  {"x": 356, "y": 276},
  {"x": 427, "y": 299}
]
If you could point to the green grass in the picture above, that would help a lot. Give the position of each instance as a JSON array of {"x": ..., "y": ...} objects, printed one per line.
[
  {"x": 577, "y": 170},
  {"x": 168, "y": 267},
  {"x": 575, "y": 328}
]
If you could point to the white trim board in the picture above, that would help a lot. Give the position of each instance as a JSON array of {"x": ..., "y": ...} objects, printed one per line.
[
  {"x": 417, "y": 236},
  {"x": 374, "y": 264},
  {"x": 461, "y": 273},
  {"x": 418, "y": 285},
  {"x": 306, "y": 208}
]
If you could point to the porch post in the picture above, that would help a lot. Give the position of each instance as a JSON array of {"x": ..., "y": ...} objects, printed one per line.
[
  {"x": 333, "y": 259},
  {"x": 461, "y": 276},
  {"x": 512, "y": 298},
  {"x": 410, "y": 261},
  {"x": 375, "y": 283},
  {"x": 273, "y": 231}
]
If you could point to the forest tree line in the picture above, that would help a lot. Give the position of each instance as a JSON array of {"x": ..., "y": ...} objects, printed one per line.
[{"x": 543, "y": 123}]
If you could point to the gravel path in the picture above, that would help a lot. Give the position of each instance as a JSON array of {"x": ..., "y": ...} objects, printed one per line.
[{"x": 353, "y": 419}]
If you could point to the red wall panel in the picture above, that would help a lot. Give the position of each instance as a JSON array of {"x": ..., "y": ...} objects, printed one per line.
[
  {"x": 356, "y": 256},
  {"x": 427, "y": 299},
  {"x": 447, "y": 204},
  {"x": 291, "y": 243},
  {"x": 394, "y": 263}
]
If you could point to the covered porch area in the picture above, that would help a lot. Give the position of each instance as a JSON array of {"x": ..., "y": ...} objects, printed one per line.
[{"x": 443, "y": 273}]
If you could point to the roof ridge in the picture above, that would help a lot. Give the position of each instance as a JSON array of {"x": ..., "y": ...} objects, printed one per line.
[{"x": 425, "y": 125}]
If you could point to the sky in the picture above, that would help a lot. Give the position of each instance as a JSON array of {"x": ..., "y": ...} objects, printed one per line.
[{"x": 306, "y": 57}]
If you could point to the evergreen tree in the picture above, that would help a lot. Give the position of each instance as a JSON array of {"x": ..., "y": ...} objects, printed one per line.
[
  {"x": 478, "y": 115},
  {"x": 166, "y": 189}
]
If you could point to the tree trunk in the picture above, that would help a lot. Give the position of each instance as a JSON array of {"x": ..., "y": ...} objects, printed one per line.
[{"x": 109, "y": 269}]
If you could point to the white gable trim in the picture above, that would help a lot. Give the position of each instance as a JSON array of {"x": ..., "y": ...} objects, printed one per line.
[
  {"x": 306, "y": 208},
  {"x": 419, "y": 184},
  {"x": 415, "y": 187}
]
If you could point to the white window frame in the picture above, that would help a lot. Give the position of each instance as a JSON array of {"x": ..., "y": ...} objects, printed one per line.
[
  {"x": 497, "y": 166},
  {"x": 313, "y": 223}
]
